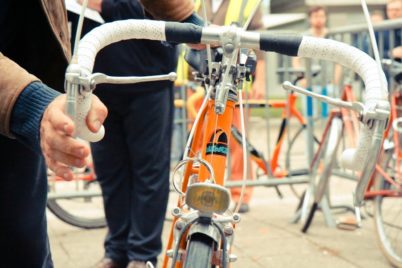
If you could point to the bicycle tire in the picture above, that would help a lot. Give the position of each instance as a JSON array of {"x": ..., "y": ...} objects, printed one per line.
[
  {"x": 310, "y": 217},
  {"x": 325, "y": 159},
  {"x": 81, "y": 211},
  {"x": 200, "y": 252},
  {"x": 386, "y": 208},
  {"x": 77, "y": 221}
]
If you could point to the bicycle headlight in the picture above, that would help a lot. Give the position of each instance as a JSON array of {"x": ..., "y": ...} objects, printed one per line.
[{"x": 208, "y": 197}]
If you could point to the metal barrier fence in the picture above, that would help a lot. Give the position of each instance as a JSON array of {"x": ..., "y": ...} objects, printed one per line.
[
  {"x": 328, "y": 81},
  {"x": 320, "y": 76},
  {"x": 332, "y": 79}
]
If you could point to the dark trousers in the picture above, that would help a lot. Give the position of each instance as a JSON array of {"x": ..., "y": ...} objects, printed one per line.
[
  {"x": 132, "y": 166},
  {"x": 23, "y": 193}
]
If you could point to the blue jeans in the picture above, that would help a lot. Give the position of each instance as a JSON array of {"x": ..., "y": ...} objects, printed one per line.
[
  {"x": 23, "y": 193},
  {"x": 132, "y": 167}
]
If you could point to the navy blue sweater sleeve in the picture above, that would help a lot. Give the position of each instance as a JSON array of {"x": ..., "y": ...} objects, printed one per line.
[
  {"x": 28, "y": 111},
  {"x": 194, "y": 19},
  {"x": 121, "y": 10}
]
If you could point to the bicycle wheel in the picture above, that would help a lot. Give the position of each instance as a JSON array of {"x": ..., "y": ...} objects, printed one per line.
[
  {"x": 295, "y": 153},
  {"x": 388, "y": 219},
  {"x": 78, "y": 203},
  {"x": 322, "y": 168},
  {"x": 200, "y": 252}
]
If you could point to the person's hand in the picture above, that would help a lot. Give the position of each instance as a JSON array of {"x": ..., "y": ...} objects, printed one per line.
[
  {"x": 59, "y": 147},
  {"x": 93, "y": 4},
  {"x": 397, "y": 52}
]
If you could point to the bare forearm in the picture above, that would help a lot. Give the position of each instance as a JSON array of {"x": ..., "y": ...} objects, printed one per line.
[
  {"x": 258, "y": 89},
  {"x": 296, "y": 63},
  {"x": 338, "y": 74},
  {"x": 175, "y": 10},
  {"x": 260, "y": 72},
  {"x": 397, "y": 52}
]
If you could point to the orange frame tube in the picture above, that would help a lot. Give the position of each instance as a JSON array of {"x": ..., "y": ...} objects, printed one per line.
[{"x": 214, "y": 132}]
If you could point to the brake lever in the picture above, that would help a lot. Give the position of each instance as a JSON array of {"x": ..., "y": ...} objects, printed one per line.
[
  {"x": 95, "y": 79},
  {"x": 355, "y": 106},
  {"x": 79, "y": 85},
  {"x": 365, "y": 115}
]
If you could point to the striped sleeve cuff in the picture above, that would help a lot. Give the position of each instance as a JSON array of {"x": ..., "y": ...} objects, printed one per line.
[
  {"x": 194, "y": 19},
  {"x": 28, "y": 111}
]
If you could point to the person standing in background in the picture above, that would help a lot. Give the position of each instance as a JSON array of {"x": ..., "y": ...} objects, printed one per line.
[
  {"x": 394, "y": 11},
  {"x": 132, "y": 162},
  {"x": 317, "y": 18}
]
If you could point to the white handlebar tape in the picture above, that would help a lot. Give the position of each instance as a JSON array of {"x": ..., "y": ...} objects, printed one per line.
[
  {"x": 95, "y": 41},
  {"x": 310, "y": 47},
  {"x": 83, "y": 106},
  {"x": 375, "y": 83},
  {"x": 116, "y": 31}
]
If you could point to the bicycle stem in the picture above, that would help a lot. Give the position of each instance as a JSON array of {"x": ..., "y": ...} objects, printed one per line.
[{"x": 230, "y": 53}]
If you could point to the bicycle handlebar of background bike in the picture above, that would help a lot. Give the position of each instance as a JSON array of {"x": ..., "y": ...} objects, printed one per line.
[{"x": 376, "y": 95}]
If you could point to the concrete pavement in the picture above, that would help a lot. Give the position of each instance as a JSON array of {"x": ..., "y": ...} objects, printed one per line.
[{"x": 264, "y": 238}]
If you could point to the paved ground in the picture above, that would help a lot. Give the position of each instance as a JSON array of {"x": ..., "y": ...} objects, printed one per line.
[{"x": 264, "y": 238}]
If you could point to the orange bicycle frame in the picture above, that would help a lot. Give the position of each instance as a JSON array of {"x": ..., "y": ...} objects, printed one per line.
[{"x": 214, "y": 132}]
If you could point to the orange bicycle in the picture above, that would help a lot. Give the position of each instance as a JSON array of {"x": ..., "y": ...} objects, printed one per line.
[
  {"x": 203, "y": 228},
  {"x": 272, "y": 167}
]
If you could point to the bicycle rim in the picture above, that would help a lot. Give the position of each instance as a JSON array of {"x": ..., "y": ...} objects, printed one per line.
[
  {"x": 77, "y": 221},
  {"x": 81, "y": 211},
  {"x": 294, "y": 152},
  {"x": 388, "y": 224}
]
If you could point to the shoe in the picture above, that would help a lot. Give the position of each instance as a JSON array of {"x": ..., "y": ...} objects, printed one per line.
[
  {"x": 137, "y": 264},
  {"x": 108, "y": 263},
  {"x": 244, "y": 208}
]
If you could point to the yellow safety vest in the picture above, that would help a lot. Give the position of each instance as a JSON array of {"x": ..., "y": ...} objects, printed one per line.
[
  {"x": 233, "y": 12},
  {"x": 181, "y": 70},
  {"x": 232, "y": 15}
]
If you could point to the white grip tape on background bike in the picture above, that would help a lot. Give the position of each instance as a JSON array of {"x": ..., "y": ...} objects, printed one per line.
[{"x": 375, "y": 84}]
